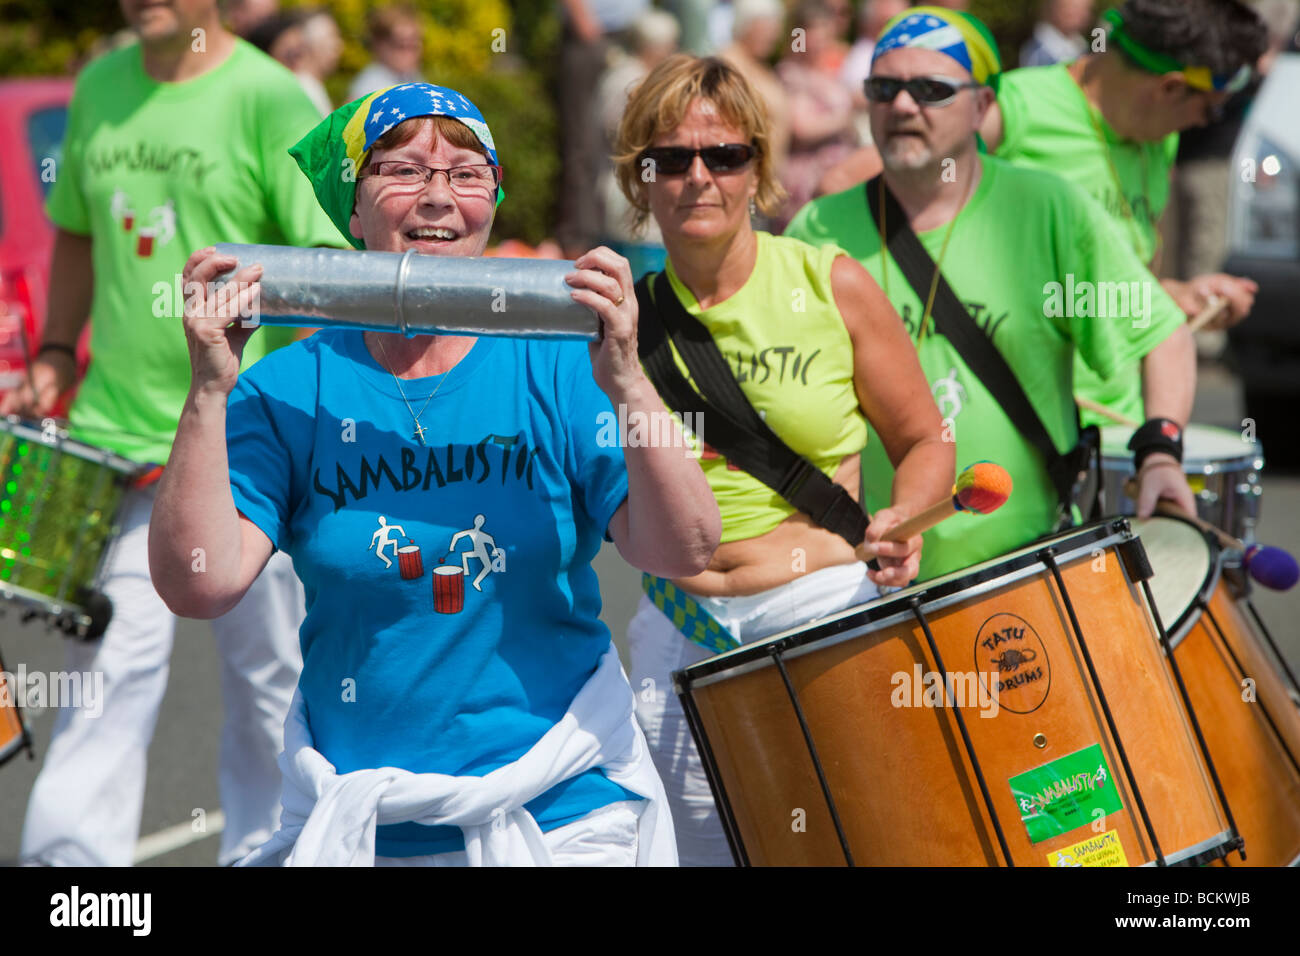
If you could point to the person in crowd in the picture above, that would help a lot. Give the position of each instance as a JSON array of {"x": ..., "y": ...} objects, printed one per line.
[
  {"x": 758, "y": 27},
  {"x": 486, "y": 687},
  {"x": 124, "y": 230},
  {"x": 818, "y": 352},
  {"x": 653, "y": 39},
  {"x": 1007, "y": 241},
  {"x": 821, "y": 108},
  {"x": 592, "y": 28},
  {"x": 1109, "y": 122},
  {"x": 324, "y": 46},
  {"x": 1058, "y": 34},
  {"x": 395, "y": 39}
]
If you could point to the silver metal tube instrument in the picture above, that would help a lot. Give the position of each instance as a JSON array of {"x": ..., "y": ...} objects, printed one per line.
[{"x": 416, "y": 294}]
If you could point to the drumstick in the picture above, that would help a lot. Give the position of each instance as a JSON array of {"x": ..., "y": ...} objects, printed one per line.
[
  {"x": 1215, "y": 307},
  {"x": 1272, "y": 567},
  {"x": 981, "y": 488},
  {"x": 1116, "y": 417}
]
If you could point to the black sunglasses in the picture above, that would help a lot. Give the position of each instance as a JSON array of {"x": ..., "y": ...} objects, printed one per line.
[
  {"x": 675, "y": 160},
  {"x": 925, "y": 90}
]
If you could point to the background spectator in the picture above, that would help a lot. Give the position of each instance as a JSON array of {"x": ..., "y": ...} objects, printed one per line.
[
  {"x": 757, "y": 28},
  {"x": 821, "y": 109},
  {"x": 653, "y": 38},
  {"x": 591, "y": 27},
  {"x": 324, "y": 46},
  {"x": 395, "y": 40},
  {"x": 872, "y": 17},
  {"x": 243, "y": 15},
  {"x": 280, "y": 37},
  {"x": 1058, "y": 34}
]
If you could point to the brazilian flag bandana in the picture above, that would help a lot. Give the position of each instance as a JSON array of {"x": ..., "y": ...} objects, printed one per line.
[
  {"x": 333, "y": 153},
  {"x": 1197, "y": 77},
  {"x": 959, "y": 35}
]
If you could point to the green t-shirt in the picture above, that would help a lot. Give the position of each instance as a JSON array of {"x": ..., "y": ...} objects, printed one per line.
[
  {"x": 1021, "y": 231},
  {"x": 151, "y": 172},
  {"x": 784, "y": 338},
  {"x": 1049, "y": 124}
]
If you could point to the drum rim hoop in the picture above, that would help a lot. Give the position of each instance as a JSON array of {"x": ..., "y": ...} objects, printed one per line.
[
  {"x": 884, "y": 612},
  {"x": 1182, "y": 625}
]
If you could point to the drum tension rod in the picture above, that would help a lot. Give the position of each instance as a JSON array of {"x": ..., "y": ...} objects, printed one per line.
[
  {"x": 775, "y": 651},
  {"x": 915, "y": 605},
  {"x": 1250, "y": 606},
  {"x": 729, "y": 826},
  {"x": 1236, "y": 842},
  {"x": 1223, "y": 640},
  {"x": 1048, "y": 557}
]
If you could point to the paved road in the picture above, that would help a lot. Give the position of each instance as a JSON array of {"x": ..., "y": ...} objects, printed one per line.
[{"x": 183, "y": 758}]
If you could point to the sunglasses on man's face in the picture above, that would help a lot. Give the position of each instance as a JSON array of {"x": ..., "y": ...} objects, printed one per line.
[
  {"x": 675, "y": 160},
  {"x": 925, "y": 90}
]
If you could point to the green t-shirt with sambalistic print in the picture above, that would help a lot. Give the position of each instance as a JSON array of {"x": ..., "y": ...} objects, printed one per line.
[
  {"x": 1049, "y": 124},
  {"x": 151, "y": 172},
  {"x": 1021, "y": 231}
]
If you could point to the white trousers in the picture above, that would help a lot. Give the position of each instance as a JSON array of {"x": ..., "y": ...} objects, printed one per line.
[
  {"x": 606, "y": 836},
  {"x": 657, "y": 649},
  {"x": 85, "y": 806}
]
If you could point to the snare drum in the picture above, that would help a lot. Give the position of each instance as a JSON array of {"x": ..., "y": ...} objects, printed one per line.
[
  {"x": 59, "y": 511},
  {"x": 1221, "y": 466},
  {"x": 831, "y": 744},
  {"x": 1251, "y": 728}
]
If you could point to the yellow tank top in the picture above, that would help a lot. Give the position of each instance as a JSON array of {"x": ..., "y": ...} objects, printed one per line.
[{"x": 784, "y": 339}]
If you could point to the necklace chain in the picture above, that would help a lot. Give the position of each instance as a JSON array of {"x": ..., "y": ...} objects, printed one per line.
[
  {"x": 1126, "y": 210},
  {"x": 938, "y": 266},
  {"x": 418, "y": 434}
]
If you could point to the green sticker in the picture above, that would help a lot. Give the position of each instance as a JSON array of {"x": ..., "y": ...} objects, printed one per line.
[{"x": 1065, "y": 794}]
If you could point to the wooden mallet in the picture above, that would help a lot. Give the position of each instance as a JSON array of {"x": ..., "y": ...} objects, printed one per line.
[{"x": 981, "y": 488}]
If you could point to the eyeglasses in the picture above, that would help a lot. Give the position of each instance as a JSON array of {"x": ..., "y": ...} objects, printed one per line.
[
  {"x": 675, "y": 160},
  {"x": 926, "y": 90},
  {"x": 465, "y": 180}
]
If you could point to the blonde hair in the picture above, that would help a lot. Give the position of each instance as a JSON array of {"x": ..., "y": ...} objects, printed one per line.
[{"x": 659, "y": 104}]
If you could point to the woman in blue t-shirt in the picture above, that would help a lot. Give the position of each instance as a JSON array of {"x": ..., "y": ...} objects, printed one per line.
[{"x": 442, "y": 499}]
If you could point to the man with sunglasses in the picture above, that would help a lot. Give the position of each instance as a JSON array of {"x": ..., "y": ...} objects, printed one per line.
[
  {"x": 1109, "y": 123},
  {"x": 1002, "y": 238}
]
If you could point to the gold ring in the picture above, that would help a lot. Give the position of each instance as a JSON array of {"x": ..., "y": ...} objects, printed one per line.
[{"x": 620, "y": 300}]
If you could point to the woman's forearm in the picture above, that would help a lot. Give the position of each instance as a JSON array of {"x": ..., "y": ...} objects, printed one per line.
[
  {"x": 194, "y": 535},
  {"x": 924, "y": 476},
  {"x": 673, "y": 520}
]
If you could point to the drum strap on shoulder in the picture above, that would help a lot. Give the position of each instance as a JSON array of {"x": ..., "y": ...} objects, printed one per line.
[
  {"x": 735, "y": 429},
  {"x": 1068, "y": 470}
]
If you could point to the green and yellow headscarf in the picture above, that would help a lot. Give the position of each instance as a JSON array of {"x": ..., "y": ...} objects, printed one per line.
[
  {"x": 334, "y": 152},
  {"x": 952, "y": 32}
]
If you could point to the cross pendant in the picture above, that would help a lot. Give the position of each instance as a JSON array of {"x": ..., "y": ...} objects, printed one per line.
[{"x": 418, "y": 434}]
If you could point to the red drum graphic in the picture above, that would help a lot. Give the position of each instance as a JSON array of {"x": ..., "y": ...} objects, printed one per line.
[
  {"x": 144, "y": 243},
  {"x": 128, "y": 221},
  {"x": 448, "y": 589},
  {"x": 409, "y": 563}
]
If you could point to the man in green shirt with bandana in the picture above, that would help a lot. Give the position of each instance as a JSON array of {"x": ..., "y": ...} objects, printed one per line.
[
  {"x": 1031, "y": 258},
  {"x": 1109, "y": 123}
]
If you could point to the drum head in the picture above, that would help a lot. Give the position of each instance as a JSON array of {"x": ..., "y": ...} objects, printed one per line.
[
  {"x": 1207, "y": 449},
  {"x": 1184, "y": 564}
]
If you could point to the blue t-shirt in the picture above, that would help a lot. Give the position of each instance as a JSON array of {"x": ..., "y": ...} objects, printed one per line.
[{"x": 452, "y": 611}]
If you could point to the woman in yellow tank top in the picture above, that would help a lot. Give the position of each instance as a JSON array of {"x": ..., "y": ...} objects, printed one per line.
[{"x": 818, "y": 351}]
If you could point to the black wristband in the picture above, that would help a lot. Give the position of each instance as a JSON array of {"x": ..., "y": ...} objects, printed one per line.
[
  {"x": 57, "y": 347},
  {"x": 1156, "y": 435}
]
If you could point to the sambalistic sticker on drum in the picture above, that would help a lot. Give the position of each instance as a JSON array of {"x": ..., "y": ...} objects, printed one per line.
[
  {"x": 1065, "y": 794},
  {"x": 1103, "y": 850},
  {"x": 1006, "y": 646}
]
